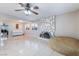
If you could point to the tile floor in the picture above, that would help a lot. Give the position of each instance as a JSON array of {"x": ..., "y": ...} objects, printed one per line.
[{"x": 26, "y": 46}]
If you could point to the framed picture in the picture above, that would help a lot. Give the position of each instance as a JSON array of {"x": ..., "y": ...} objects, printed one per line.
[{"x": 17, "y": 26}]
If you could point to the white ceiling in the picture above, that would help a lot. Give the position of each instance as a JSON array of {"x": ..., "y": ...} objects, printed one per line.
[{"x": 45, "y": 10}]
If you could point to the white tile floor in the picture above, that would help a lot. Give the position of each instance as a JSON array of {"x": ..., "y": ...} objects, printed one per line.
[{"x": 30, "y": 47}]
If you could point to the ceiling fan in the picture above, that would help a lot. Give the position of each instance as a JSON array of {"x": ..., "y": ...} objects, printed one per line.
[{"x": 28, "y": 8}]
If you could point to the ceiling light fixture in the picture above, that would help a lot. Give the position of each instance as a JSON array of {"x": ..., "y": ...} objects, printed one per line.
[{"x": 27, "y": 12}]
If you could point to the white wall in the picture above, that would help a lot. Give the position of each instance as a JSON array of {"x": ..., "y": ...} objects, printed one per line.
[
  {"x": 77, "y": 24},
  {"x": 66, "y": 25}
]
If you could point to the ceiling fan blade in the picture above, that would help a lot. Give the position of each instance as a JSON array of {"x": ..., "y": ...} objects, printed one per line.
[
  {"x": 36, "y": 7},
  {"x": 19, "y": 9},
  {"x": 34, "y": 12},
  {"x": 22, "y": 5}
]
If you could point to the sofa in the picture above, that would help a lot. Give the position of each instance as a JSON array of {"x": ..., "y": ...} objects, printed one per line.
[{"x": 17, "y": 32}]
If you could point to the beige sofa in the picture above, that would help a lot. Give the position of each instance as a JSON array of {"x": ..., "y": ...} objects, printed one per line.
[
  {"x": 65, "y": 45},
  {"x": 17, "y": 32}
]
